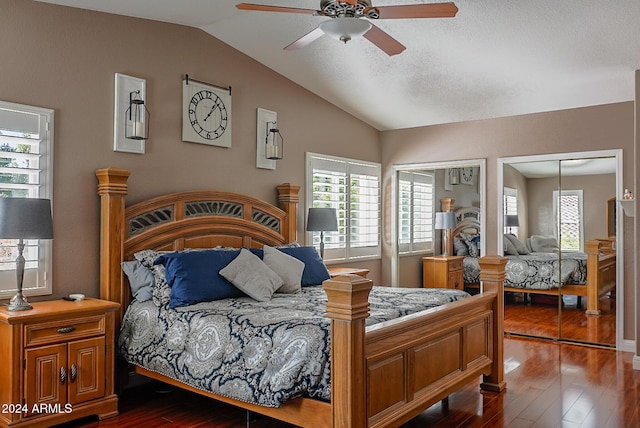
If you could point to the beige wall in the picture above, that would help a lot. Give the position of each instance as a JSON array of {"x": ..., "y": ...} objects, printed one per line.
[
  {"x": 593, "y": 128},
  {"x": 597, "y": 190},
  {"x": 65, "y": 59}
]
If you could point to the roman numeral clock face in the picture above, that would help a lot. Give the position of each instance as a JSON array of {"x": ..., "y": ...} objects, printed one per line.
[{"x": 206, "y": 116}]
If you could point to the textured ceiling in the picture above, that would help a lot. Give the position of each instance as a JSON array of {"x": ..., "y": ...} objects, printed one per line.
[{"x": 496, "y": 58}]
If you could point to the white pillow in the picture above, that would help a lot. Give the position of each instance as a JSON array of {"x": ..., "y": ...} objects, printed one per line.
[
  {"x": 288, "y": 268},
  {"x": 249, "y": 274}
]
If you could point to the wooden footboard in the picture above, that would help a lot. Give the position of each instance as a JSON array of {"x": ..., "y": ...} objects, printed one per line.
[
  {"x": 601, "y": 276},
  {"x": 601, "y": 272},
  {"x": 391, "y": 372},
  {"x": 381, "y": 376}
]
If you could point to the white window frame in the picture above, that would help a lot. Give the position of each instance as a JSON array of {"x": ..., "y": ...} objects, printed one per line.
[
  {"x": 38, "y": 122},
  {"x": 340, "y": 246},
  {"x": 417, "y": 241},
  {"x": 556, "y": 215}
]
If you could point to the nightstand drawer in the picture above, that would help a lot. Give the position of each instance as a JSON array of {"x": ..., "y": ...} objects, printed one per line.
[
  {"x": 455, "y": 265},
  {"x": 62, "y": 330}
]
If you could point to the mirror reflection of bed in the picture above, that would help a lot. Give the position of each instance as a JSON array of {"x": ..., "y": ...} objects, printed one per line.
[{"x": 579, "y": 193}]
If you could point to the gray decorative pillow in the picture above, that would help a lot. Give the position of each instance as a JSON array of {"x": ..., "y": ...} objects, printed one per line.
[
  {"x": 250, "y": 275},
  {"x": 508, "y": 247},
  {"x": 519, "y": 246},
  {"x": 544, "y": 244},
  {"x": 140, "y": 280},
  {"x": 459, "y": 247},
  {"x": 287, "y": 267},
  {"x": 161, "y": 291}
]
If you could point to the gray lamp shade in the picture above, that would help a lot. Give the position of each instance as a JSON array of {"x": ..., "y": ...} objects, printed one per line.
[
  {"x": 511, "y": 220},
  {"x": 25, "y": 218},
  {"x": 445, "y": 220},
  {"x": 322, "y": 220}
]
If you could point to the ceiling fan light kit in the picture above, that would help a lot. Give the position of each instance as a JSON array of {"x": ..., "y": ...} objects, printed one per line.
[
  {"x": 345, "y": 29},
  {"x": 350, "y": 18}
]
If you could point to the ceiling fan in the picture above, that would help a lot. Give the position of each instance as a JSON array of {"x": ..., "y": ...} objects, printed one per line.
[{"x": 348, "y": 20}]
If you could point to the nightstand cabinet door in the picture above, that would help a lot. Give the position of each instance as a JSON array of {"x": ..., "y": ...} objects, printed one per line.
[
  {"x": 86, "y": 367},
  {"x": 456, "y": 279},
  {"x": 45, "y": 375}
]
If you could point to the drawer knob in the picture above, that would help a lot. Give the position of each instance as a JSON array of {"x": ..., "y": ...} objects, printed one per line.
[
  {"x": 63, "y": 375},
  {"x": 64, "y": 330}
]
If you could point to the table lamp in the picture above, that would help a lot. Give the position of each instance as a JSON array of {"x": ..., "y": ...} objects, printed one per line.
[
  {"x": 322, "y": 220},
  {"x": 445, "y": 221},
  {"x": 24, "y": 218}
]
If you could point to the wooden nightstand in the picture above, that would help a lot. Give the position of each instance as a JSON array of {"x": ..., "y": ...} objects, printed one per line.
[
  {"x": 347, "y": 270},
  {"x": 57, "y": 362},
  {"x": 443, "y": 272}
]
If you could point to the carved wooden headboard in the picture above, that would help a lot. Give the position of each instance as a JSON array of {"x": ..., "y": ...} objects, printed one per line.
[
  {"x": 195, "y": 219},
  {"x": 468, "y": 221}
]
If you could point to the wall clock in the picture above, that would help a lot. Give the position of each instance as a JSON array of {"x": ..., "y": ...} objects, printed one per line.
[
  {"x": 206, "y": 113},
  {"x": 466, "y": 175}
]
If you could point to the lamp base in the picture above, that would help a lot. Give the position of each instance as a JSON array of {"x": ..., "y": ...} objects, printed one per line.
[{"x": 19, "y": 303}]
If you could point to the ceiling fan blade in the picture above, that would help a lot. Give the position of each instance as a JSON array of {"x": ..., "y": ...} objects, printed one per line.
[
  {"x": 430, "y": 10},
  {"x": 384, "y": 41},
  {"x": 266, "y": 8},
  {"x": 305, "y": 40}
]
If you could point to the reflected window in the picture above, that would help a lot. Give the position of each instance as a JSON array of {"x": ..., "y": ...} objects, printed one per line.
[
  {"x": 567, "y": 207},
  {"x": 415, "y": 211},
  {"x": 510, "y": 204}
]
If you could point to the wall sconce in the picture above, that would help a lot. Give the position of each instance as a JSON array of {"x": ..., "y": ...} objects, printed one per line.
[
  {"x": 274, "y": 147},
  {"x": 269, "y": 142},
  {"x": 130, "y": 115},
  {"x": 454, "y": 176},
  {"x": 136, "y": 118}
]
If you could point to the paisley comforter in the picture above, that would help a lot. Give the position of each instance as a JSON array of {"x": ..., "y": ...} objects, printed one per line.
[
  {"x": 257, "y": 352},
  {"x": 536, "y": 271}
]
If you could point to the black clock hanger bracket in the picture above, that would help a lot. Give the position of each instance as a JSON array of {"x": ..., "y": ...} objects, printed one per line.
[{"x": 187, "y": 79}]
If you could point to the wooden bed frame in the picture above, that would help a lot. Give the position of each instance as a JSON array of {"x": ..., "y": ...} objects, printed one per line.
[
  {"x": 383, "y": 375},
  {"x": 601, "y": 265}
]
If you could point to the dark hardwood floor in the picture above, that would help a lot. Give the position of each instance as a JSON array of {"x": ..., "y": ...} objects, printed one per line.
[
  {"x": 549, "y": 384},
  {"x": 540, "y": 316}
]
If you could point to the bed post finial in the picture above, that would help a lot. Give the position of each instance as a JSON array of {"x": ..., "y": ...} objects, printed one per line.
[
  {"x": 288, "y": 200},
  {"x": 348, "y": 307},
  {"x": 492, "y": 276},
  {"x": 112, "y": 188}
]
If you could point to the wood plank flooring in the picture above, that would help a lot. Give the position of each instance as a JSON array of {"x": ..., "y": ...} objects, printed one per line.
[
  {"x": 549, "y": 384},
  {"x": 541, "y": 319}
]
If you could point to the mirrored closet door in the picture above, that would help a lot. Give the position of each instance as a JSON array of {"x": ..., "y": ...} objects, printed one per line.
[
  {"x": 422, "y": 194},
  {"x": 561, "y": 277}
]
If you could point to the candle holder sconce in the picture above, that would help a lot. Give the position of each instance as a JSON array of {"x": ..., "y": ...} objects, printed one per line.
[
  {"x": 269, "y": 141},
  {"x": 136, "y": 118},
  {"x": 130, "y": 116}
]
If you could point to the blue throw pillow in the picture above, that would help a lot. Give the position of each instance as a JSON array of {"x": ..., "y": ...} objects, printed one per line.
[
  {"x": 315, "y": 270},
  {"x": 193, "y": 276}
]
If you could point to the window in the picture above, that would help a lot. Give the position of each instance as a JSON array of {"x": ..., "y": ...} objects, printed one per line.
[
  {"x": 567, "y": 209},
  {"x": 510, "y": 204},
  {"x": 352, "y": 187},
  {"x": 26, "y": 143},
  {"x": 415, "y": 211}
]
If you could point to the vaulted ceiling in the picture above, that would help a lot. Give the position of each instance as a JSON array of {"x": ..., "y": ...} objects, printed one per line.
[{"x": 495, "y": 58}]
